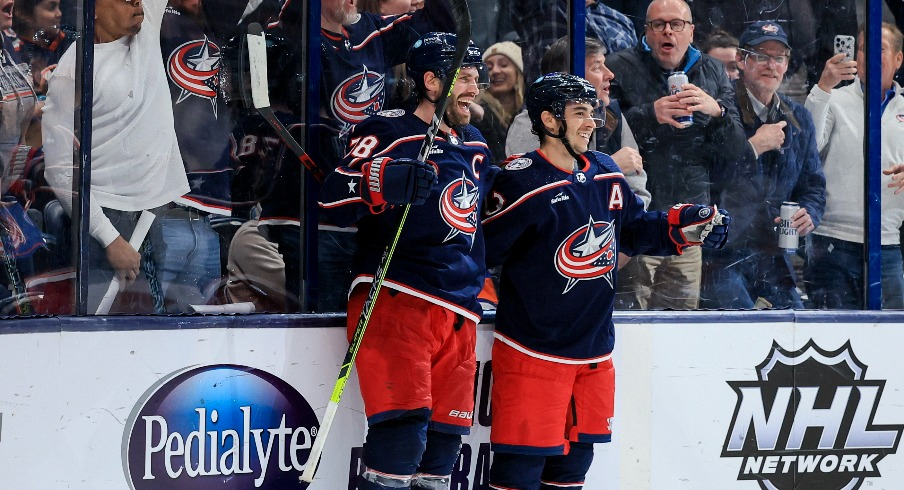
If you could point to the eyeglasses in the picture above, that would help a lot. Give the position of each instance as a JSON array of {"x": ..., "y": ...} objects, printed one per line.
[
  {"x": 677, "y": 25},
  {"x": 765, "y": 58}
]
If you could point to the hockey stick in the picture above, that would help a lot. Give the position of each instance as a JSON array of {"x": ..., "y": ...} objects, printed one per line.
[
  {"x": 463, "y": 22},
  {"x": 260, "y": 98}
]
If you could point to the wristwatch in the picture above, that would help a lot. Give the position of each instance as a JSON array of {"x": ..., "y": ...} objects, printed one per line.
[{"x": 723, "y": 110}]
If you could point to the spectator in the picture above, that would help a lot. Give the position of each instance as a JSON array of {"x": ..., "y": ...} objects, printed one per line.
[
  {"x": 19, "y": 237},
  {"x": 398, "y": 90},
  {"x": 192, "y": 37},
  {"x": 416, "y": 366},
  {"x": 614, "y": 138},
  {"x": 40, "y": 44},
  {"x": 357, "y": 51},
  {"x": 389, "y": 7},
  {"x": 781, "y": 163},
  {"x": 135, "y": 160},
  {"x": 256, "y": 271},
  {"x": 834, "y": 270},
  {"x": 37, "y": 23},
  {"x": 539, "y": 23},
  {"x": 504, "y": 98},
  {"x": 677, "y": 159},
  {"x": 723, "y": 47}
]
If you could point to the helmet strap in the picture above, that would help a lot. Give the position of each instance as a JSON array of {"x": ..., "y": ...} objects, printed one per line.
[{"x": 562, "y": 130}]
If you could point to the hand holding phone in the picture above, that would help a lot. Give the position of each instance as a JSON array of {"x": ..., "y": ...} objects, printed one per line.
[{"x": 845, "y": 44}]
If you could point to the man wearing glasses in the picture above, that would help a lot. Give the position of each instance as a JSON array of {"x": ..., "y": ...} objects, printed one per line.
[
  {"x": 779, "y": 163},
  {"x": 678, "y": 159}
]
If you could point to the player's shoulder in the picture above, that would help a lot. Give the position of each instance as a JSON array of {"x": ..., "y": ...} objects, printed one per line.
[
  {"x": 519, "y": 162},
  {"x": 385, "y": 123},
  {"x": 523, "y": 174},
  {"x": 604, "y": 163},
  {"x": 471, "y": 134}
]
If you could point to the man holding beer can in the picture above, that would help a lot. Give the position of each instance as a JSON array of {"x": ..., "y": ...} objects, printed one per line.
[
  {"x": 777, "y": 186},
  {"x": 680, "y": 136}
]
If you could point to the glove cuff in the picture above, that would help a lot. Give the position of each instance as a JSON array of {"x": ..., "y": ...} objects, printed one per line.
[{"x": 372, "y": 187}]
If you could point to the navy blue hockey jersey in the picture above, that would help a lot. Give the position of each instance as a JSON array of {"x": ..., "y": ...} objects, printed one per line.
[
  {"x": 557, "y": 236},
  {"x": 440, "y": 255},
  {"x": 355, "y": 65},
  {"x": 200, "y": 88}
]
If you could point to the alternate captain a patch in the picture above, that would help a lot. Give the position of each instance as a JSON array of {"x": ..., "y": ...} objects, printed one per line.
[{"x": 588, "y": 253}]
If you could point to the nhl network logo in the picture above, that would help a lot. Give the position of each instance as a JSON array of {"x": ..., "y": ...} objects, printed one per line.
[{"x": 807, "y": 422}]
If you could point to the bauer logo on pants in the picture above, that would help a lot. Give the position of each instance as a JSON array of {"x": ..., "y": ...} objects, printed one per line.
[
  {"x": 218, "y": 427},
  {"x": 808, "y": 422}
]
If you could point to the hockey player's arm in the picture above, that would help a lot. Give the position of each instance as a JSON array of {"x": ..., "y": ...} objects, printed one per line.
[
  {"x": 507, "y": 217},
  {"x": 370, "y": 180}
]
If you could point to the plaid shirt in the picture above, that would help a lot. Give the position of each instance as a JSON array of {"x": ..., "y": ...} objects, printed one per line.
[{"x": 539, "y": 23}]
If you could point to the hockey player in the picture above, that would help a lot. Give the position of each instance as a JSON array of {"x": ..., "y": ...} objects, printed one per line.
[
  {"x": 416, "y": 363},
  {"x": 558, "y": 218}
]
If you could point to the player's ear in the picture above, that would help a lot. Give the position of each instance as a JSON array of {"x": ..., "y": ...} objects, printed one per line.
[
  {"x": 549, "y": 121},
  {"x": 432, "y": 82}
]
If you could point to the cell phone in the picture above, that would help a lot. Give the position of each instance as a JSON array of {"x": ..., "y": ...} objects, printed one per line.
[{"x": 845, "y": 44}]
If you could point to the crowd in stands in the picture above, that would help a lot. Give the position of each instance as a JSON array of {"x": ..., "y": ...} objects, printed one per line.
[{"x": 776, "y": 116}]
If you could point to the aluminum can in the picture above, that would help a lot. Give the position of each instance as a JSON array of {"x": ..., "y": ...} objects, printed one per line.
[
  {"x": 787, "y": 234},
  {"x": 676, "y": 80}
]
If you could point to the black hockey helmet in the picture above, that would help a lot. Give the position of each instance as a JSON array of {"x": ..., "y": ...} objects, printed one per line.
[
  {"x": 434, "y": 52},
  {"x": 550, "y": 92}
]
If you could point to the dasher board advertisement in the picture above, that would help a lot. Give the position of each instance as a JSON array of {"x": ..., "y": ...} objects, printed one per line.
[
  {"x": 776, "y": 406},
  {"x": 194, "y": 409}
]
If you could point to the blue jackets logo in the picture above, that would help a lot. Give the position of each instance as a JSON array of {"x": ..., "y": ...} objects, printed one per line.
[
  {"x": 458, "y": 207},
  {"x": 221, "y": 426},
  {"x": 588, "y": 253},
  {"x": 195, "y": 68},
  {"x": 808, "y": 421}
]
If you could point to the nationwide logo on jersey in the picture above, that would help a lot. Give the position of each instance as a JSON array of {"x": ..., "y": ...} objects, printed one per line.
[
  {"x": 358, "y": 97},
  {"x": 808, "y": 421},
  {"x": 588, "y": 253},
  {"x": 221, "y": 426},
  {"x": 195, "y": 68},
  {"x": 458, "y": 207}
]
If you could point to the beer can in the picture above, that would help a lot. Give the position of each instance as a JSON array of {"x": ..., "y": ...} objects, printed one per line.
[
  {"x": 787, "y": 234},
  {"x": 676, "y": 80}
]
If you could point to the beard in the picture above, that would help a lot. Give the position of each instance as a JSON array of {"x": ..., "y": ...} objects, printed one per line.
[{"x": 453, "y": 116}]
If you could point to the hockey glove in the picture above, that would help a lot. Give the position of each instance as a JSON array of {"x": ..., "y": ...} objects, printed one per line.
[
  {"x": 400, "y": 181},
  {"x": 695, "y": 224}
]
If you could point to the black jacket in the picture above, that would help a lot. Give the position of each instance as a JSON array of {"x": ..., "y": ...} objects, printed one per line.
[{"x": 678, "y": 161}]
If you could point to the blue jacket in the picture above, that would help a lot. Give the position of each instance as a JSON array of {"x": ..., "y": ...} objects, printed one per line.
[{"x": 752, "y": 189}]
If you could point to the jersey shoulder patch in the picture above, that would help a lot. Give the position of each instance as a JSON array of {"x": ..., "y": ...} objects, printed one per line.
[
  {"x": 392, "y": 113},
  {"x": 520, "y": 163}
]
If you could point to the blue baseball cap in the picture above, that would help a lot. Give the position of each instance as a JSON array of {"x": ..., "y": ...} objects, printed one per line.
[{"x": 762, "y": 31}]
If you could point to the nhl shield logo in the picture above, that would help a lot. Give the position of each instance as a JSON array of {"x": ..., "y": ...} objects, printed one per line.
[
  {"x": 808, "y": 421},
  {"x": 588, "y": 253}
]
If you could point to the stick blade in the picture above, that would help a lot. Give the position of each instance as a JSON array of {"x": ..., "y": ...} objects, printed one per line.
[{"x": 257, "y": 61}]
